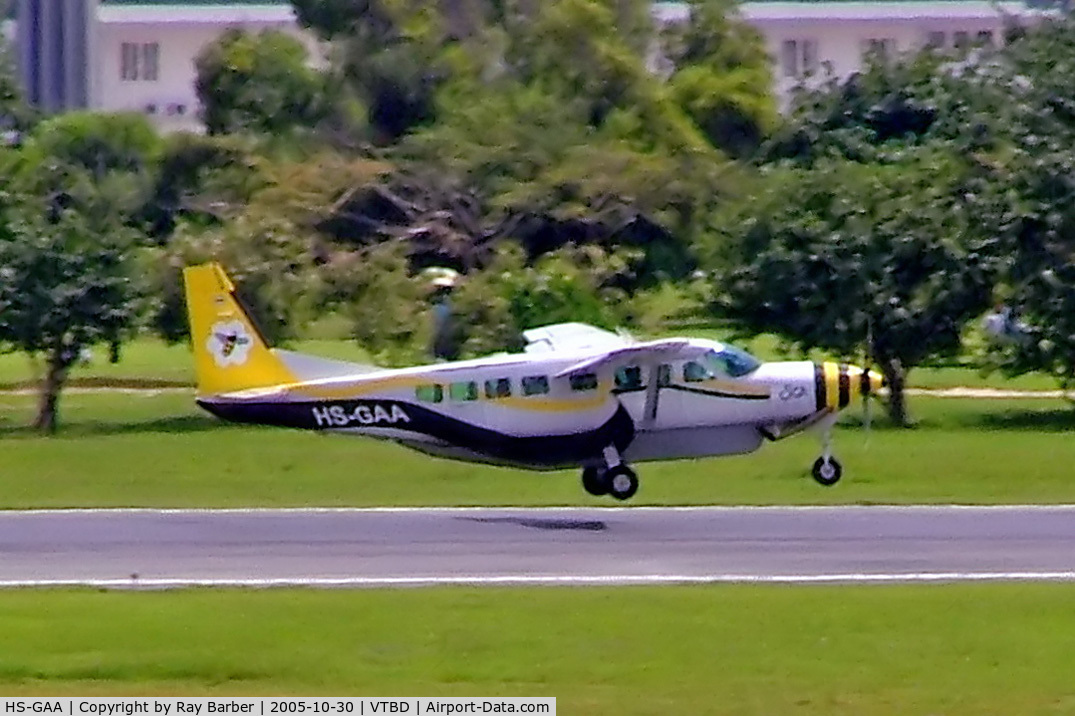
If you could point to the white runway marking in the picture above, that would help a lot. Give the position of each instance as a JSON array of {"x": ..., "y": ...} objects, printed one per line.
[
  {"x": 1060, "y": 507},
  {"x": 552, "y": 580}
]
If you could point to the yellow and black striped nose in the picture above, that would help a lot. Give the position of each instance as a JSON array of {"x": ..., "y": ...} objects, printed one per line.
[{"x": 837, "y": 384}]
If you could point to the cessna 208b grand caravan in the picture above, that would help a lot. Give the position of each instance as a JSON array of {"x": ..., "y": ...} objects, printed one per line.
[{"x": 577, "y": 396}]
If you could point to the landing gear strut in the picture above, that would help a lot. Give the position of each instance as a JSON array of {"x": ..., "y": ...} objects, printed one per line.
[
  {"x": 614, "y": 479},
  {"x": 827, "y": 470}
]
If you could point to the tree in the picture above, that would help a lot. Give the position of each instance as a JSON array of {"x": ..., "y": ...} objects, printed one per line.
[
  {"x": 15, "y": 115},
  {"x": 259, "y": 83},
  {"x": 63, "y": 287},
  {"x": 721, "y": 77},
  {"x": 886, "y": 262},
  {"x": 1037, "y": 217},
  {"x": 924, "y": 99},
  {"x": 102, "y": 165}
]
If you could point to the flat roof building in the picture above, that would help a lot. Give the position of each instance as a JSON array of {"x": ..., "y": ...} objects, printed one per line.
[{"x": 138, "y": 55}]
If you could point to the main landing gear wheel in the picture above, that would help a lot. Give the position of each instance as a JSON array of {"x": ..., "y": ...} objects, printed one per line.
[
  {"x": 622, "y": 482},
  {"x": 594, "y": 481},
  {"x": 827, "y": 471}
]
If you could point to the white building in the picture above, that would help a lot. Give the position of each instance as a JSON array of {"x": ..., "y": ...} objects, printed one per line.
[
  {"x": 141, "y": 52},
  {"x": 811, "y": 39}
]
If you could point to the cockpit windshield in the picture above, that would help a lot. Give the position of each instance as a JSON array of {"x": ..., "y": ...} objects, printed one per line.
[{"x": 731, "y": 361}]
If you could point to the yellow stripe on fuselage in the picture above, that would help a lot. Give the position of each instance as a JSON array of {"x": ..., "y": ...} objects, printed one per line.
[{"x": 832, "y": 384}]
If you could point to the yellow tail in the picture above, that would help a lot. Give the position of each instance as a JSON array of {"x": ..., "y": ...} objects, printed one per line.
[{"x": 230, "y": 353}]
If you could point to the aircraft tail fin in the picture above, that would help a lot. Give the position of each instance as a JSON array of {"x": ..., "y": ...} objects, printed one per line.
[{"x": 230, "y": 353}]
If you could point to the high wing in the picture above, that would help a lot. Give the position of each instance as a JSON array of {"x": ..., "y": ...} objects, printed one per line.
[
  {"x": 647, "y": 352},
  {"x": 573, "y": 337}
]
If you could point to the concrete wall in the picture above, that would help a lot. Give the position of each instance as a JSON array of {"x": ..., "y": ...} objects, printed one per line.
[{"x": 170, "y": 100}]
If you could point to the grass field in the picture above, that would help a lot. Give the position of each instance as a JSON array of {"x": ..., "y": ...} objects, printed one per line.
[
  {"x": 150, "y": 363},
  {"x": 146, "y": 449},
  {"x": 701, "y": 650}
]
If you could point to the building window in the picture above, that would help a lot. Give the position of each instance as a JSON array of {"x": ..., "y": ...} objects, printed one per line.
[
  {"x": 584, "y": 381},
  {"x": 499, "y": 388},
  {"x": 798, "y": 57},
  {"x": 535, "y": 385},
  {"x": 960, "y": 40},
  {"x": 139, "y": 61},
  {"x": 429, "y": 393},
  {"x": 128, "y": 61},
  {"x": 935, "y": 41},
  {"x": 463, "y": 390},
  {"x": 881, "y": 49},
  {"x": 985, "y": 38},
  {"x": 151, "y": 52}
]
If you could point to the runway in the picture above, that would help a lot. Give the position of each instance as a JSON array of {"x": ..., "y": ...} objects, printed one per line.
[{"x": 641, "y": 545}]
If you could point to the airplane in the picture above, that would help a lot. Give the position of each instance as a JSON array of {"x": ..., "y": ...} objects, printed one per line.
[{"x": 577, "y": 396}]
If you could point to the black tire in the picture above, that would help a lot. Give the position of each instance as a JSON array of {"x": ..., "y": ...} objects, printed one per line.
[
  {"x": 594, "y": 481},
  {"x": 622, "y": 482},
  {"x": 827, "y": 472}
]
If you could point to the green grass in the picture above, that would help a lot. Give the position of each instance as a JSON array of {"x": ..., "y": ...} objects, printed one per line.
[
  {"x": 144, "y": 449},
  {"x": 149, "y": 363},
  {"x": 958, "y": 649}
]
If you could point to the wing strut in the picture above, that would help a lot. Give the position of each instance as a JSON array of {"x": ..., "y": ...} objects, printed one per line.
[{"x": 653, "y": 392}]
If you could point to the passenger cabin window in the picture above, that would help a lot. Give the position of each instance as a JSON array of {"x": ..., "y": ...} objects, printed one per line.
[
  {"x": 584, "y": 381},
  {"x": 499, "y": 388},
  {"x": 535, "y": 385},
  {"x": 463, "y": 390},
  {"x": 664, "y": 375},
  {"x": 629, "y": 378},
  {"x": 429, "y": 393}
]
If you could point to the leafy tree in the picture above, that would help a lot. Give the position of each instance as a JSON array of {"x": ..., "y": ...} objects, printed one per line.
[
  {"x": 1037, "y": 216},
  {"x": 15, "y": 115},
  {"x": 496, "y": 305},
  {"x": 201, "y": 180},
  {"x": 259, "y": 83},
  {"x": 390, "y": 50},
  {"x": 101, "y": 165},
  {"x": 874, "y": 115},
  {"x": 721, "y": 77},
  {"x": 63, "y": 287},
  {"x": 889, "y": 262}
]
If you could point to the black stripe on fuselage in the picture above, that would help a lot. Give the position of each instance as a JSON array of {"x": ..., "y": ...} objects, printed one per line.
[
  {"x": 819, "y": 386},
  {"x": 568, "y": 448},
  {"x": 845, "y": 386},
  {"x": 699, "y": 391}
]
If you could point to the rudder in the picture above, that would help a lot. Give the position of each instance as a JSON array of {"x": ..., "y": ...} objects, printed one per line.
[{"x": 230, "y": 353}]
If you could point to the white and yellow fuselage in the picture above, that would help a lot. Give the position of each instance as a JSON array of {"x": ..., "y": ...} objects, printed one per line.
[{"x": 552, "y": 406}]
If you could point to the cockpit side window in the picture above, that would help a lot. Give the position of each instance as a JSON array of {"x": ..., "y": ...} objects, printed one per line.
[
  {"x": 694, "y": 372},
  {"x": 629, "y": 377},
  {"x": 732, "y": 362}
]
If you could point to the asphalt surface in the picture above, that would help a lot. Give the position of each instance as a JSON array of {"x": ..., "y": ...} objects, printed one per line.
[{"x": 152, "y": 548}]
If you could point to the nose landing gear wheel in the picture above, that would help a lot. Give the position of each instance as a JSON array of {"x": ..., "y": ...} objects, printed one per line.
[
  {"x": 622, "y": 482},
  {"x": 827, "y": 471},
  {"x": 594, "y": 481}
]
